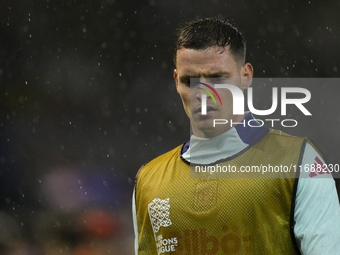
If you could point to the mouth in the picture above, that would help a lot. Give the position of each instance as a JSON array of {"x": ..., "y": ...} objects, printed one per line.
[{"x": 209, "y": 110}]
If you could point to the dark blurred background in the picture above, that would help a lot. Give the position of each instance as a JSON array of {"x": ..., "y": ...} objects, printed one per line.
[{"x": 87, "y": 97}]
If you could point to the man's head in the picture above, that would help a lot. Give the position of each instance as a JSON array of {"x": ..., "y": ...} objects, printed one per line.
[
  {"x": 201, "y": 34},
  {"x": 210, "y": 48}
]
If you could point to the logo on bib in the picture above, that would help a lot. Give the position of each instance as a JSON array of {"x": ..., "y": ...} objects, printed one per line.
[
  {"x": 160, "y": 217},
  {"x": 159, "y": 214}
]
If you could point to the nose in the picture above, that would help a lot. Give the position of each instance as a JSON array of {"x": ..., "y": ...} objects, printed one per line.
[{"x": 199, "y": 92}]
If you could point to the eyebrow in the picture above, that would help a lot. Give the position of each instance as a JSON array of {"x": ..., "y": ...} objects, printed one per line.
[{"x": 210, "y": 75}]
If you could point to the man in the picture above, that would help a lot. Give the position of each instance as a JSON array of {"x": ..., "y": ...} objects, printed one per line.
[{"x": 176, "y": 214}]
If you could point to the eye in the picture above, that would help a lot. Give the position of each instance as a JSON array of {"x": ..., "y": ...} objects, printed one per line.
[
  {"x": 186, "y": 82},
  {"x": 219, "y": 79}
]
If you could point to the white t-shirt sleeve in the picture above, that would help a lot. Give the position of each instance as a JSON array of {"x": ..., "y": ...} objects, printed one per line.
[
  {"x": 317, "y": 210},
  {"x": 134, "y": 218}
]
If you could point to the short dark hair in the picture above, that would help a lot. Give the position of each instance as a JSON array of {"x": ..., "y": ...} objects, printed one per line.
[{"x": 201, "y": 34}]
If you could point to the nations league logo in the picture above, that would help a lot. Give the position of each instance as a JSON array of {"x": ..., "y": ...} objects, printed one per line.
[
  {"x": 160, "y": 217},
  {"x": 159, "y": 213}
]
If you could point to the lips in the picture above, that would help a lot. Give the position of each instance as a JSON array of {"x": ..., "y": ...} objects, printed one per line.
[{"x": 209, "y": 109}]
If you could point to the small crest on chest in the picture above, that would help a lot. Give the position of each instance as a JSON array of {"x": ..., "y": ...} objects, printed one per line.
[{"x": 205, "y": 195}]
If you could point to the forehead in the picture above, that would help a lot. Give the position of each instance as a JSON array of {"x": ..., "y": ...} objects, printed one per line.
[{"x": 204, "y": 62}]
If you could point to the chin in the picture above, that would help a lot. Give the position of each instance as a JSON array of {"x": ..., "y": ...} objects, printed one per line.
[{"x": 205, "y": 128}]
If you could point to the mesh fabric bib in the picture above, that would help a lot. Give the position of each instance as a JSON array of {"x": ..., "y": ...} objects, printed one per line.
[{"x": 177, "y": 214}]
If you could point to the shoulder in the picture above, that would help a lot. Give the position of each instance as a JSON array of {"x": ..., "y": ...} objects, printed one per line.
[
  {"x": 279, "y": 133},
  {"x": 160, "y": 160},
  {"x": 310, "y": 156},
  {"x": 170, "y": 155},
  {"x": 313, "y": 164},
  {"x": 280, "y": 139}
]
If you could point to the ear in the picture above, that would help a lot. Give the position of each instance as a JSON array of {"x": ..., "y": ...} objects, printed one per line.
[
  {"x": 176, "y": 78},
  {"x": 246, "y": 75}
]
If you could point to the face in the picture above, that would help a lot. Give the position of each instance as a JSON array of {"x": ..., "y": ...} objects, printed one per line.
[{"x": 214, "y": 62}]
